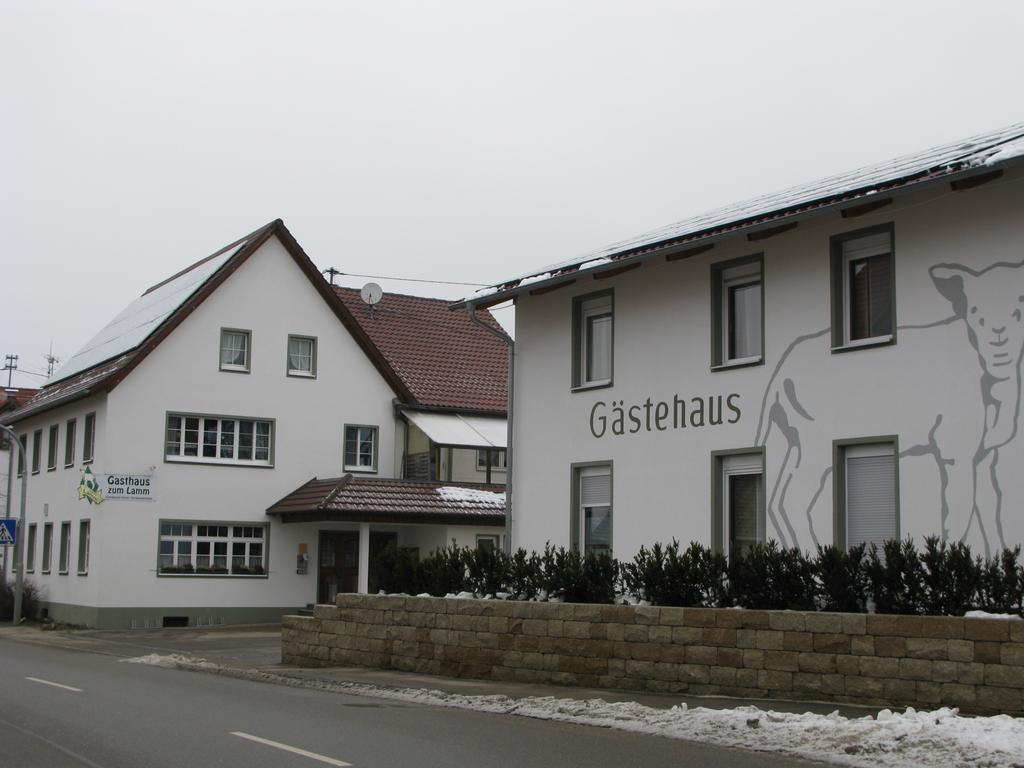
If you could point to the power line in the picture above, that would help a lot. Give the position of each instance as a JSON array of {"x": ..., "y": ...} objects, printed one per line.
[{"x": 334, "y": 272}]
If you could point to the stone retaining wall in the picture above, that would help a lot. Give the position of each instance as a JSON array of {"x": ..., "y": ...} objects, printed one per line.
[{"x": 896, "y": 661}]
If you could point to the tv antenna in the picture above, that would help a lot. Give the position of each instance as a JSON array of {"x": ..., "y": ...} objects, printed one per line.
[
  {"x": 10, "y": 365},
  {"x": 51, "y": 361}
]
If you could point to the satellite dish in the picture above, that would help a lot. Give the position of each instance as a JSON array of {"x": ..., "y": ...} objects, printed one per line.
[{"x": 371, "y": 293}]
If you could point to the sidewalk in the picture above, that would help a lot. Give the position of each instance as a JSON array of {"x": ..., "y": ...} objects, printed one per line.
[{"x": 258, "y": 648}]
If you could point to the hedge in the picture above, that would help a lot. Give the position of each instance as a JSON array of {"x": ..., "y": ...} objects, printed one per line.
[{"x": 942, "y": 579}]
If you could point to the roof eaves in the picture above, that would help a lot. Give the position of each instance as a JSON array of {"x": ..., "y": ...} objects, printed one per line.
[{"x": 511, "y": 289}]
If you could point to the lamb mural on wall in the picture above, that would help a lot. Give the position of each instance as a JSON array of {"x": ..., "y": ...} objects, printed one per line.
[{"x": 969, "y": 368}]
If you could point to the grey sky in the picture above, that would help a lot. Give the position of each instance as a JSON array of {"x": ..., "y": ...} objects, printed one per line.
[{"x": 462, "y": 141}]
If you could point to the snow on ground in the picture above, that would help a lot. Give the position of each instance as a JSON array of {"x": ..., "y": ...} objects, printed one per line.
[
  {"x": 938, "y": 739},
  {"x": 985, "y": 615}
]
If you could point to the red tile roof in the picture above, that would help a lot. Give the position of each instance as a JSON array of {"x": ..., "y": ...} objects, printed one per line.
[
  {"x": 381, "y": 500},
  {"x": 443, "y": 358}
]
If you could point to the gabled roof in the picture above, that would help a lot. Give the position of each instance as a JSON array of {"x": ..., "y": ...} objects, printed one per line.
[
  {"x": 381, "y": 500},
  {"x": 987, "y": 152},
  {"x": 393, "y": 338},
  {"x": 444, "y": 358}
]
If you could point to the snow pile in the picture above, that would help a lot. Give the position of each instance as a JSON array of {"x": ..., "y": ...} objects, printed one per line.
[
  {"x": 985, "y": 615},
  {"x": 471, "y": 496},
  {"x": 938, "y": 739},
  {"x": 1006, "y": 152}
]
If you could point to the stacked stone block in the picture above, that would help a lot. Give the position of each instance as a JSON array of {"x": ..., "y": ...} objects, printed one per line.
[{"x": 883, "y": 660}]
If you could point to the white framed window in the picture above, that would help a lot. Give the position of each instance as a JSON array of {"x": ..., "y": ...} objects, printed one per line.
[
  {"x": 22, "y": 454},
  {"x": 742, "y": 502},
  {"x": 65, "y": 547},
  {"x": 44, "y": 566},
  {"x": 302, "y": 356},
  {"x": 89, "y": 438},
  {"x": 592, "y": 513},
  {"x": 737, "y": 307},
  {"x": 863, "y": 291},
  {"x": 219, "y": 440},
  {"x": 69, "y": 442},
  {"x": 593, "y": 332},
  {"x": 235, "y": 350},
  {"x": 360, "y": 448},
  {"x": 30, "y": 549},
  {"x": 497, "y": 459},
  {"x": 212, "y": 549},
  {"x": 869, "y": 511},
  {"x": 51, "y": 447},
  {"x": 84, "y": 527}
]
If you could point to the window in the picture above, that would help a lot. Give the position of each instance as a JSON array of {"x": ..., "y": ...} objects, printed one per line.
[
  {"x": 218, "y": 440},
  {"x": 212, "y": 549},
  {"x": 89, "y": 438},
  {"x": 737, "y": 307},
  {"x": 69, "y": 442},
  {"x": 302, "y": 356},
  {"x": 592, "y": 509},
  {"x": 83, "y": 547},
  {"x": 497, "y": 458},
  {"x": 47, "y": 547},
  {"x": 234, "y": 350},
  {"x": 37, "y": 447},
  {"x": 65, "y": 547},
  {"x": 863, "y": 291},
  {"x": 738, "y": 501},
  {"x": 867, "y": 492},
  {"x": 360, "y": 448},
  {"x": 593, "y": 327},
  {"x": 488, "y": 542},
  {"x": 30, "y": 549},
  {"x": 51, "y": 448},
  {"x": 22, "y": 454}
]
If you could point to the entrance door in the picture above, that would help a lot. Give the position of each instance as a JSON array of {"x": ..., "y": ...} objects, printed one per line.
[
  {"x": 379, "y": 541},
  {"x": 339, "y": 564}
]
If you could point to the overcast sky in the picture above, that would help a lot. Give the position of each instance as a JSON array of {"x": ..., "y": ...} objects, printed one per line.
[{"x": 465, "y": 141}]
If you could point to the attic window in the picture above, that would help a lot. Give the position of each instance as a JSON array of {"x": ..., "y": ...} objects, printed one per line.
[{"x": 234, "y": 350}]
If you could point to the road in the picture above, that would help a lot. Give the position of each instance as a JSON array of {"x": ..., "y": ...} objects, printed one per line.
[{"x": 65, "y": 708}]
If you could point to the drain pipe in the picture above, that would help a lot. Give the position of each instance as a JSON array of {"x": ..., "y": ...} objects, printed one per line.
[{"x": 471, "y": 308}]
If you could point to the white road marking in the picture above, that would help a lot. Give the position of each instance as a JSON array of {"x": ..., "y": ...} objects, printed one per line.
[
  {"x": 293, "y": 750},
  {"x": 55, "y": 685}
]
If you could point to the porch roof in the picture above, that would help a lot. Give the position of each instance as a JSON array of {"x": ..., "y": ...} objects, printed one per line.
[{"x": 383, "y": 500}]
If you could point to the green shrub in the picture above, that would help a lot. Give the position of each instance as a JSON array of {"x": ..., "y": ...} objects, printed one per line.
[
  {"x": 842, "y": 579},
  {"x": 30, "y": 599},
  {"x": 951, "y": 578},
  {"x": 443, "y": 572},
  {"x": 769, "y": 577},
  {"x": 487, "y": 570},
  {"x": 896, "y": 577},
  {"x": 694, "y": 577},
  {"x": 525, "y": 575},
  {"x": 1001, "y": 583}
]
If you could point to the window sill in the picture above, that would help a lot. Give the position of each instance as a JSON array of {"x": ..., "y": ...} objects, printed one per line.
[
  {"x": 212, "y": 575},
  {"x": 70, "y": 466},
  {"x": 44, "y": 573},
  {"x": 875, "y": 341},
  {"x": 62, "y": 573},
  {"x": 743, "y": 362},
  {"x": 360, "y": 470},
  {"x": 83, "y": 573},
  {"x": 300, "y": 375},
  {"x": 225, "y": 369},
  {"x": 216, "y": 462},
  {"x": 51, "y": 469},
  {"x": 87, "y": 461},
  {"x": 588, "y": 387}
]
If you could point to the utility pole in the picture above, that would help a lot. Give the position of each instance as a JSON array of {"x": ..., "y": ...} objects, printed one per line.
[
  {"x": 19, "y": 550},
  {"x": 10, "y": 365},
  {"x": 332, "y": 272}
]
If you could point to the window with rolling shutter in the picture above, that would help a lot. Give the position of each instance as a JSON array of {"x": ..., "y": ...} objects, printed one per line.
[
  {"x": 741, "y": 516},
  {"x": 592, "y": 524},
  {"x": 863, "y": 295},
  {"x": 871, "y": 516}
]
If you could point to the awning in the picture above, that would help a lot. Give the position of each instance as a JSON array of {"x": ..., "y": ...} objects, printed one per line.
[{"x": 454, "y": 429}]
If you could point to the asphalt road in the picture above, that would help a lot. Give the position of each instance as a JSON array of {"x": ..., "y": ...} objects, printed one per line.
[{"x": 65, "y": 708}]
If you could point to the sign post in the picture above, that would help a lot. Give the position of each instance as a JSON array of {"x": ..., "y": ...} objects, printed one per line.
[{"x": 19, "y": 557}]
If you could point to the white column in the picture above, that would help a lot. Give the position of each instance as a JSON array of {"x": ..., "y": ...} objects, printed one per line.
[{"x": 364, "y": 558}]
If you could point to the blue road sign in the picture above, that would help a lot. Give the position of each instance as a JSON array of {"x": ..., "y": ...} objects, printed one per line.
[{"x": 8, "y": 531}]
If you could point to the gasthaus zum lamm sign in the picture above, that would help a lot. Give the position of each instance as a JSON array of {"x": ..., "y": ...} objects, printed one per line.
[{"x": 95, "y": 488}]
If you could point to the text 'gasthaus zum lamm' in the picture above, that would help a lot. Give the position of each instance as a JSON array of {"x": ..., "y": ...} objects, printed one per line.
[{"x": 618, "y": 418}]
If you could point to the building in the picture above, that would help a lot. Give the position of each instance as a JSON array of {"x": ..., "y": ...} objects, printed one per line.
[
  {"x": 11, "y": 398},
  {"x": 832, "y": 364},
  {"x": 233, "y": 389}
]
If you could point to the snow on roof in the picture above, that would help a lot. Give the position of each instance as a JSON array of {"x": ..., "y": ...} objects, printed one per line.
[
  {"x": 471, "y": 496},
  {"x": 981, "y": 151},
  {"x": 138, "y": 320}
]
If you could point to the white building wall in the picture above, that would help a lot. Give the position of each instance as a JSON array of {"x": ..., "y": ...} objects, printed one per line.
[{"x": 662, "y": 479}]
